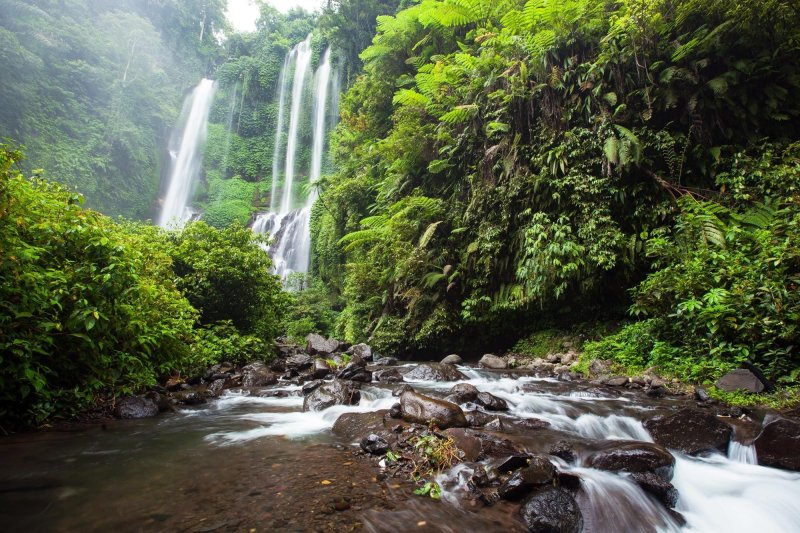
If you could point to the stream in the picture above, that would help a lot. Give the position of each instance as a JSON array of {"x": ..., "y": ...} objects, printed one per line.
[{"x": 254, "y": 461}]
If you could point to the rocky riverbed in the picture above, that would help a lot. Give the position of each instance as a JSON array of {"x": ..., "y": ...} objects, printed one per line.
[{"x": 335, "y": 438}]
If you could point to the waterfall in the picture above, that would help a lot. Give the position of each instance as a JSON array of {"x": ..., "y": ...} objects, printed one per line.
[
  {"x": 186, "y": 153},
  {"x": 286, "y": 224},
  {"x": 302, "y": 66}
]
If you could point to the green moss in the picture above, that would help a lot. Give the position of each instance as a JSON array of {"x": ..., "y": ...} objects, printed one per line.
[{"x": 779, "y": 399}]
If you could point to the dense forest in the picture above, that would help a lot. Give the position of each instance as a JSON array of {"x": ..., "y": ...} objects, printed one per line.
[{"x": 503, "y": 173}]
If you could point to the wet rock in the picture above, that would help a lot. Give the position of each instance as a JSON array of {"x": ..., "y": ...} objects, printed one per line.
[
  {"x": 740, "y": 380},
  {"x": 385, "y": 361},
  {"x": 499, "y": 449},
  {"x": 655, "y": 392},
  {"x": 278, "y": 364},
  {"x": 355, "y": 371},
  {"x": 495, "y": 425},
  {"x": 335, "y": 392},
  {"x": 569, "y": 480},
  {"x": 388, "y": 375},
  {"x": 701, "y": 395},
  {"x": 374, "y": 444},
  {"x": 317, "y": 344},
  {"x": 467, "y": 443},
  {"x": 396, "y": 411},
  {"x": 552, "y": 510},
  {"x": 299, "y": 362},
  {"x": 321, "y": 369},
  {"x": 633, "y": 456},
  {"x": 361, "y": 351},
  {"x": 778, "y": 445},
  {"x": 190, "y": 397},
  {"x": 690, "y": 431},
  {"x": 662, "y": 489},
  {"x": 257, "y": 375},
  {"x": 452, "y": 359},
  {"x": 161, "y": 400},
  {"x": 599, "y": 367},
  {"x": 492, "y": 361},
  {"x": 478, "y": 419},
  {"x": 311, "y": 386},
  {"x": 462, "y": 393},
  {"x": 174, "y": 384},
  {"x": 539, "y": 472},
  {"x": 434, "y": 372},
  {"x": 513, "y": 462},
  {"x": 217, "y": 386},
  {"x": 480, "y": 478},
  {"x": 135, "y": 407},
  {"x": 422, "y": 409},
  {"x": 353, "y": 426},
  {"x": 532, "y": 423},
  {"x": 563, "y": 450},
  {"x": 618, "y": 381},
  {"x": 491, "y": 402},
  {"x": 401, "y": 389}
]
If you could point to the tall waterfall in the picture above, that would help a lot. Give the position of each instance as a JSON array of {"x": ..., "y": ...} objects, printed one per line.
[
  {"x": 287, "y": 223},
  {"x": 185, "y": 151}
]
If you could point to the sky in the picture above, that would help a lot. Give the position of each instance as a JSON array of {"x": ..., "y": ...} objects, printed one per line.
[{"x": 242, "y": 14}]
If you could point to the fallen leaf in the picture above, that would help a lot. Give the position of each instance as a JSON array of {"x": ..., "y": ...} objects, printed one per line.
[
  {"x": 325, "y": 482},
  {"x": 421, "y": 523}
]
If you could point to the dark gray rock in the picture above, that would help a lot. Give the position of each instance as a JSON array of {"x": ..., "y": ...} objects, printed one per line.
[
  {"x": 477, "y": 419},
  {"x": 540, "y": 471},
  {"x": 552, "y": 510},
  {"x": 513, "y": 462},
  {"x": 564, "y": 450},
  {"x": 190, "y": 397},
  {"x": 492, "y": 361},
  {"x": 361, "y": 351},
  {"x": 633, "y": 456},
  {"x": 701, "y": 394},
  {"x": 462, "y": 393},
  {"x": 135, "y": 407},
  {"x": 299, "y": 362},
  {"x": 778, "y": 445},
  {"x": 434, "y": 372},
  {"x": 495, "y": 425},
  {"x": 353, "y": 426},
  {"x": 740, "y": 379},
  {"x": 401, "y": 389},
  {"x": 161, "y": 400},
  {"x": 532, "y": 423},
  {"x": 662, "y": 489},
  {"x": 321, "y": 369},
  {"x": 396, "y": 411},
  {"x": 690, "y": 431},
  {"x": 388, "y": 375},
  {"x": 319, "y": 345},
  {"x": 469, "y": 445},
  {"x": 452, "y": 359},
  {"x": 258, "y": 375},
  {"x": 421, "y": 409},
  {"x": 617, "y": 381},
  {"x": 332, "y": 393},
  {"x": 374, "y": 444},
  {"x": 599, "y": 367},
  {"x": 385, "y": 361},
  {"x": 311, "y": 386},
  {"x": 355, "y": 371},
  {"x": 491, "y": 402}
]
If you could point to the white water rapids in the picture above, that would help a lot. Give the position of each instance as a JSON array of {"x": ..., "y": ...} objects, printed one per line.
[{"x": 716, "y": 494}]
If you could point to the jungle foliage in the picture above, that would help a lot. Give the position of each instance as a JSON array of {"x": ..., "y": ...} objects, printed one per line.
[
  {"x": 91, "y": 308},
  {"x": 501, "y": 164}
]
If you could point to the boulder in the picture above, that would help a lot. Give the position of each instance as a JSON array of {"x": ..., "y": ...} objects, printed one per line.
[
  {"x": 352, "y": 426},
  {"x": 552, "y": 510},
  {"x": 512, "y": 462},
  {"x": 690, "y": 431},
  {"x": 190, "y": 397},
  {"x": 311, "y": 386},
  {"x": 355, "y": 371},
  {"x": 532, "y": 423},
  {"x": 136, "y": 407},
  {"x": 258, "y": 375},
  {"x": 616, "y": 381},
  {"x": 361, "y": 351},
  {"x": 452, "y": 359},
  {"x": 388, "y": 375},
  {"x": 492, "y": 361},
  {"x": 434, "y": 372},
  {"x": 498, "y": 449},
  {"x": 491, "y": 402},
  {"x": 778, "y": 445},
  {"x": 467, "y": 443},
  {"x": 299, "y": 362},
  {"x": 477, "y": 419},
  {"x": 740, "y": 380},
  {"x": 374, "y": 444},
  {"x": 701, "y": 394},
  {"x": 161, "y": 400},
  {"x": 462, "y": 393},
  {"x": 495, "y": 425},
  {"x": 332, "y": 393},
  {"x": 656, "y": 485},
  {"x": 599, "y": 367},
  {"x": 317, "y": 344},
  {"x": 321, "y": 369},
  {"x": 564, "y": 450},
  {"x": 174, "y": 384},
  {"x": 540, "y": 471},
  {"x": 421, "y": 409},
  {"x": 633, "y": 456},
  {"x": 385, "y": 361},
  {"x": 401, "y": 389}
]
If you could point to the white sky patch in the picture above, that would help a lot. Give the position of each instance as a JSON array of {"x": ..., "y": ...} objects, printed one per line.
[{"x": 242, "y": 14}]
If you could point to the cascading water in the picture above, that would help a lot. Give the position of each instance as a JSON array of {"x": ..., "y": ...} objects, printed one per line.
[
  {"x": 287, "y": 225},
  {"x": 185, "y": 149}
]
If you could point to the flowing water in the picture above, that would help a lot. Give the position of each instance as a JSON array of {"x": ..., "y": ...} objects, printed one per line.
[
  {"x": 185, "y": 150},
  {"x": 288, "y": 224},
  {"x": 253, "y": 460}
]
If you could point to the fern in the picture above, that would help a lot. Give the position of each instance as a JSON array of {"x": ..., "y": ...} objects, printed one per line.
[{"x": 459, "y": 114}]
